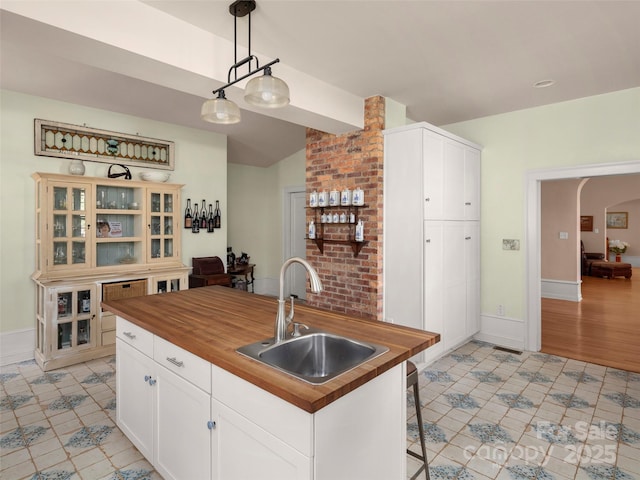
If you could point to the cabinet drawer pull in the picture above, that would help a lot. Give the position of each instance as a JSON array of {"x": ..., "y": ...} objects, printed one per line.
[
  {"x": 467, "y": 238},
  {"x": 467, "y": 203},
  {"x": 211, "y": 424},
  {"x": 177, "y": 363},
  {"x": 152, "y": 381},
  {"x": 130, "y": 335},
  {"x": 428, "y": 240},
  {"x": 147, "y": 378},
  {"x": 427, "y": 199}
]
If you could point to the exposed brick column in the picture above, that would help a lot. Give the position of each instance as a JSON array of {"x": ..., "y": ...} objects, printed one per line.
[{"x": 352, "y": 285}]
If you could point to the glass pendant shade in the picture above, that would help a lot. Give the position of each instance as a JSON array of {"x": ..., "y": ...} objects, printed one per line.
[
  {"x": 267, "y": 91},
  {"x": 220, "y": 110}
]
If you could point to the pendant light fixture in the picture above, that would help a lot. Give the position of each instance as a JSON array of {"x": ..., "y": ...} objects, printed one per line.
[{"x": 265, "y": 91}]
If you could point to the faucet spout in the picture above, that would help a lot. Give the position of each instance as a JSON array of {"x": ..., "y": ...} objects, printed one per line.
[{"x": 280, "y": 331}]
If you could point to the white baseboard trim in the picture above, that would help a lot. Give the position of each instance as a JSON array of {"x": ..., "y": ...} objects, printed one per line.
[
  {"x": 503, "y": 331},
  {"x": 17, "y": 346},
  {"x": 561, "y": 290}
]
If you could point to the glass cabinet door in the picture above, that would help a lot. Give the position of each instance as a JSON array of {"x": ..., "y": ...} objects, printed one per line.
[
  {"x": 68, "y": 226},
  {"x": 164, "y": 285},
  {"x": 75, "y": 318},
  {"x": 161, "y": 225},
  {"x": 118, "y": 226}
]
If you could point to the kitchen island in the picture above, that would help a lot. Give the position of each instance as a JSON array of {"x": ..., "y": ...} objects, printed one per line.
[{"x": 198, "y": 409}]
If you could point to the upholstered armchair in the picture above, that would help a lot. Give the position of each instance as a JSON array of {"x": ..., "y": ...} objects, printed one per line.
[
  {"x": 208, "y": 271},
  {"x": 589, "y": 258}
]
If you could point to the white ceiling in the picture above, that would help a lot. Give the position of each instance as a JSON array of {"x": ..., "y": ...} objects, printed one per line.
[{"x": 447, "y": 61}]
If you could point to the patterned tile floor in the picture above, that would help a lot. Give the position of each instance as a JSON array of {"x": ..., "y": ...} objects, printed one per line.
[
  {"x": 492, "y": 414},
  {"x": 487, "y": 414}
]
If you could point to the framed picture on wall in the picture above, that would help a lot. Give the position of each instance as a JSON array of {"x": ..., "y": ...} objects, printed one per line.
[
  {"x": 617, "y": 219},
  {"x": 586, "y": 223}
]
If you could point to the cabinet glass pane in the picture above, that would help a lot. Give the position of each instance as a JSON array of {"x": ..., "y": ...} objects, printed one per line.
[
  {"x": 59, "y": 198},
  {"x": 65, "y": 305},
  {"x": 59, "y": 226},
  {"x": 84, "y": 302},
  {"x": 79, "y": 200},
  {"x": 168, "y": 203},
  {"x": 162, "y": 286},
  {"x": 78, "y": 252},
  {"x": 168, "y": 225},
  {"x": 155, "y": 225},
  {"x": 59, "y": 253},
  {"x": 155, "y": 248},
  {"x": 84, "y": 331},
  {"x": 115, "y": 253},
  {"x": 168, "y": 247},
  {"x": 64, "y": 335},
  {"x": 79, "y": 226},
  {"x": 175, "y": 285},
  {"x": 155, "y": 202}
]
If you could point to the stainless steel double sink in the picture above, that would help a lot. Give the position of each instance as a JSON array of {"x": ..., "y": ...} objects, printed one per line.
[{"x": 315, "y": 356}]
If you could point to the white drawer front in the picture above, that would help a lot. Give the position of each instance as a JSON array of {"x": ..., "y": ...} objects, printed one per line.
[
  {"x": 189, "y": 366},
  {"x": 135, "y": 336}
]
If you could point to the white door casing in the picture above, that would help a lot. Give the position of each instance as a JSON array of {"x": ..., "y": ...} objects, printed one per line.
[{"x": 294, "y": 237}]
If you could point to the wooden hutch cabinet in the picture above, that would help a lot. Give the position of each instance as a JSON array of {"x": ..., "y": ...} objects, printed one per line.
[{"x": 99, "y": 238}]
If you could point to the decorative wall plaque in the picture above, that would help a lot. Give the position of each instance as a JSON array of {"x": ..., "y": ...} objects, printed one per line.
[{"x": 63, "y": 140}]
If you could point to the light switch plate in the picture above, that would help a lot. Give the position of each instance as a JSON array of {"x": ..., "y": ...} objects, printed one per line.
[{"x": 510, "y": 244}]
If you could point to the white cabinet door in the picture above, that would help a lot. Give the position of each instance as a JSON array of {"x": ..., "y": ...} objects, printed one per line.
[
  {"x": 453, "y": 178},
  {"x": 183, "y": 438},
  {"x": 135, "y": 390},
  {"x": 433, "y": 176},
  {"x": 243, "y": 450},
  {"x": 433, "y": 285},
  {"x": 472, "y": 184},
  {"x": 454, "y": 284},
  {"x": 472, "y": 268}
]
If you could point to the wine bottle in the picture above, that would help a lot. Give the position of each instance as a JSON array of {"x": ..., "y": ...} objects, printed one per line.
[
  {"x": 188, "y": 219},
  {"x": 195, "y": 224},
  {"x": 217, "y": 216},
  {"x": 210, "y": 221},
  {"x": 203, "y": 215}
]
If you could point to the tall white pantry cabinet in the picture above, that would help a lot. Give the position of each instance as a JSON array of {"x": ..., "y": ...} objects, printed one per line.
[{"x": 432, "y": 234}]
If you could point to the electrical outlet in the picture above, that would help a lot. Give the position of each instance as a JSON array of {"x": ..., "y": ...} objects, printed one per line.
[{"x": 501, "y": 310}]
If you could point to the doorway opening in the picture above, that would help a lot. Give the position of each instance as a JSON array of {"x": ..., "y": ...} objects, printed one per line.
[
  {"x": 533, "y": 179},
  {"x": 294, "y": 240}
]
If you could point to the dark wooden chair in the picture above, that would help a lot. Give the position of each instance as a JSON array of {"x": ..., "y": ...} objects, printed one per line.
[{"x": 208, "y": 271}]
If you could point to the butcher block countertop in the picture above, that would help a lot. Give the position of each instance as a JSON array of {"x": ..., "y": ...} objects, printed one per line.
[{"x": 212, "y": 322}]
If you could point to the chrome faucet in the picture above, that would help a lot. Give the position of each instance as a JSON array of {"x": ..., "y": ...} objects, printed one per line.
[{"x": 316, "y": 287}]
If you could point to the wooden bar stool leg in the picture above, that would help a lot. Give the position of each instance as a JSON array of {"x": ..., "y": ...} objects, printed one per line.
[{"x": 412, "y": 381}]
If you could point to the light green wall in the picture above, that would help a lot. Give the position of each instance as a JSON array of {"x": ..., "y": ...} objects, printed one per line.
[
  {"x": 593, "y": 130},
  {"x": 256, "y": 206},
  {"x": 201, "y": 164}
]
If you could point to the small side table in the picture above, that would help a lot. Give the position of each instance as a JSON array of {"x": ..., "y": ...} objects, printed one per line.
[{"x": 239, "y": 270}]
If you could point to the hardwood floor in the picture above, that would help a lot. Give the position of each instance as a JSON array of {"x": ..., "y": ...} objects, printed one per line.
[{"x": 604, "y": 328}]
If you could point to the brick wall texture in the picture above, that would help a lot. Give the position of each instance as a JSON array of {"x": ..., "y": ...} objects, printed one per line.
[{"x": 352, "y": 285}]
